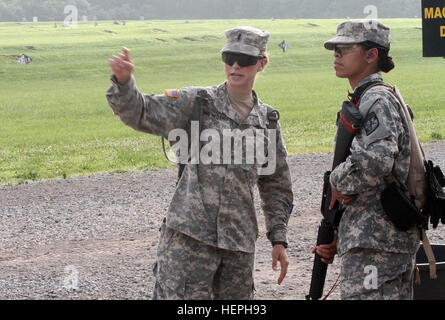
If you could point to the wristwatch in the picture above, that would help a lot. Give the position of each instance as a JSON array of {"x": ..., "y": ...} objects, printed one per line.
[{"x": 284, "y": 244}]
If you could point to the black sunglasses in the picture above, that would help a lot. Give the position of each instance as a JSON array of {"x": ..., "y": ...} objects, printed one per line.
[
  {"x": 243, "y": 60},
  {"x": 342, "y": 49}
]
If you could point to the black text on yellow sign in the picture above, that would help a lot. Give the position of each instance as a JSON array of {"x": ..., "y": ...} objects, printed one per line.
[{"x": 436, "y": 13}]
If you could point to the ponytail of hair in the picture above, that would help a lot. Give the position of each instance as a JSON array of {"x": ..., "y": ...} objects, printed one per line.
[{"x": 385, "y": 62}]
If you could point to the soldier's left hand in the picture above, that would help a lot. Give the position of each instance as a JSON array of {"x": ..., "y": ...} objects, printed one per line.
[
  {"x": 337, "y": 196},
  {"x": 279, "y": 254},
  {"x": 327, "y": 252}
]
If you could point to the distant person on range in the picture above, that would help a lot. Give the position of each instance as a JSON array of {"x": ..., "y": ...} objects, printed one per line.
[{"x": 207, "y": 241}]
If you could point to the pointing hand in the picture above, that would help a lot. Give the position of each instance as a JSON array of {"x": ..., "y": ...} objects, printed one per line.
[{"x": 122, "y": 66}]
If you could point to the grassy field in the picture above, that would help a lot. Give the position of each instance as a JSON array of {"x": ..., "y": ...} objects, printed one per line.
[{"x": 55, "y": 121}]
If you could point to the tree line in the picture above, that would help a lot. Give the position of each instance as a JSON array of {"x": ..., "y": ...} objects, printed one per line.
[{"x": 53, "y": 10}]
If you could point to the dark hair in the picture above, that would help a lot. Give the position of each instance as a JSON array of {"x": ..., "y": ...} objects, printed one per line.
[{"x": 385, "y": 62}]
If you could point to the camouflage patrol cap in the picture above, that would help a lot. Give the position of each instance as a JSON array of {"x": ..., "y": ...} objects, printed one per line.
[
  {"x": 358, "y": 31},
  {"x": 246, "y": 40}
]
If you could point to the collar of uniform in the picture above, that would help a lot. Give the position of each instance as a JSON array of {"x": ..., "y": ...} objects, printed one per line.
[
  {"x": 223, "y": 105},
  {"x": 370, "y": 78},
  {"x": 258, "y": 114}
]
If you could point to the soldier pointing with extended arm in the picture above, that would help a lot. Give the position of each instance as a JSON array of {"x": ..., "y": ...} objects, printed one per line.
[{"x": 207, "y": 242}]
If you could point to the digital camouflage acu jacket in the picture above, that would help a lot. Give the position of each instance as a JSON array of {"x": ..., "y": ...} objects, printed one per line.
[
  {"x": 381, "y": 147},
  {"x": 213, "y": 203}
]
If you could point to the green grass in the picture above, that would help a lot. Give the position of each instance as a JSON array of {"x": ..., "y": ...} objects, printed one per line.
[{"x": 55, "y": 121}]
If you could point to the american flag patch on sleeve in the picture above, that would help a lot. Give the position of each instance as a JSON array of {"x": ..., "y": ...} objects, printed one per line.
[{"x": 173, "y": 93}]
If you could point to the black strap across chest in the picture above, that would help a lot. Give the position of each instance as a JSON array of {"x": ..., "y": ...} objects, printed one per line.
[{"x": 358, "y": 92}]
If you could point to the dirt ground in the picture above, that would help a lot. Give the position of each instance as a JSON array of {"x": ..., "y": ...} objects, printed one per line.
[{"x": 96, "y": 237}]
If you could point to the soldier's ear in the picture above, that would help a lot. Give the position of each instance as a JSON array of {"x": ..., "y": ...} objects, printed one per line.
[
  {"x": 372, "y": 55},
  {"x": 262, "y": 64}
]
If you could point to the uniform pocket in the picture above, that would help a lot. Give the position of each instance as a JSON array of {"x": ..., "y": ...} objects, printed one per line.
[
  {"x": 175, "y": 287},
  {"x": 168, "y": 286},
  {"x": 168, "y": 269},
  {"x": 165, "y": 237}
]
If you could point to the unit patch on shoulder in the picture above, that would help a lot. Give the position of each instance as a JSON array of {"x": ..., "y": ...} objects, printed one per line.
[
  {"x": 371, "y": 123},
  {"x": 172, "y": 93}
]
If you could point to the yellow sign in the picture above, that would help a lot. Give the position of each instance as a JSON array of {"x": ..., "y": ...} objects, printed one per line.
[
  {"x": 436, "y": 13},
  {"x": 433, "y": 28}
]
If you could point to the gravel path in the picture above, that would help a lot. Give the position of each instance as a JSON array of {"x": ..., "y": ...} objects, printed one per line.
[{"x": 103, "y": 231}]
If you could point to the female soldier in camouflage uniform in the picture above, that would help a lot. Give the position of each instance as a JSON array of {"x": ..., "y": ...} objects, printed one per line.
[
  {"x": 207, "y": 242},
  {"x": 377, "y": 259}
]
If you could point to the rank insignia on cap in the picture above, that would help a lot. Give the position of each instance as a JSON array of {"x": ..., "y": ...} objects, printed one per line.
[{"x": 172, "y": 93}]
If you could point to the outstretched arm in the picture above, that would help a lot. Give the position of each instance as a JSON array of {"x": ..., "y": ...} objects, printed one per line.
[{"x": 155, "y": 114}]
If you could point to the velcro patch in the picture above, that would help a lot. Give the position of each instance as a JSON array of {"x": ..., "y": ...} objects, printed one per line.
[
  {"x": 172, "y": 93},
  {"x": 371, "y": 123}
]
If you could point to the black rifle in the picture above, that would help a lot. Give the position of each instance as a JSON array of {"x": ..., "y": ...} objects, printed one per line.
[{"x": 348, "y": 123}]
